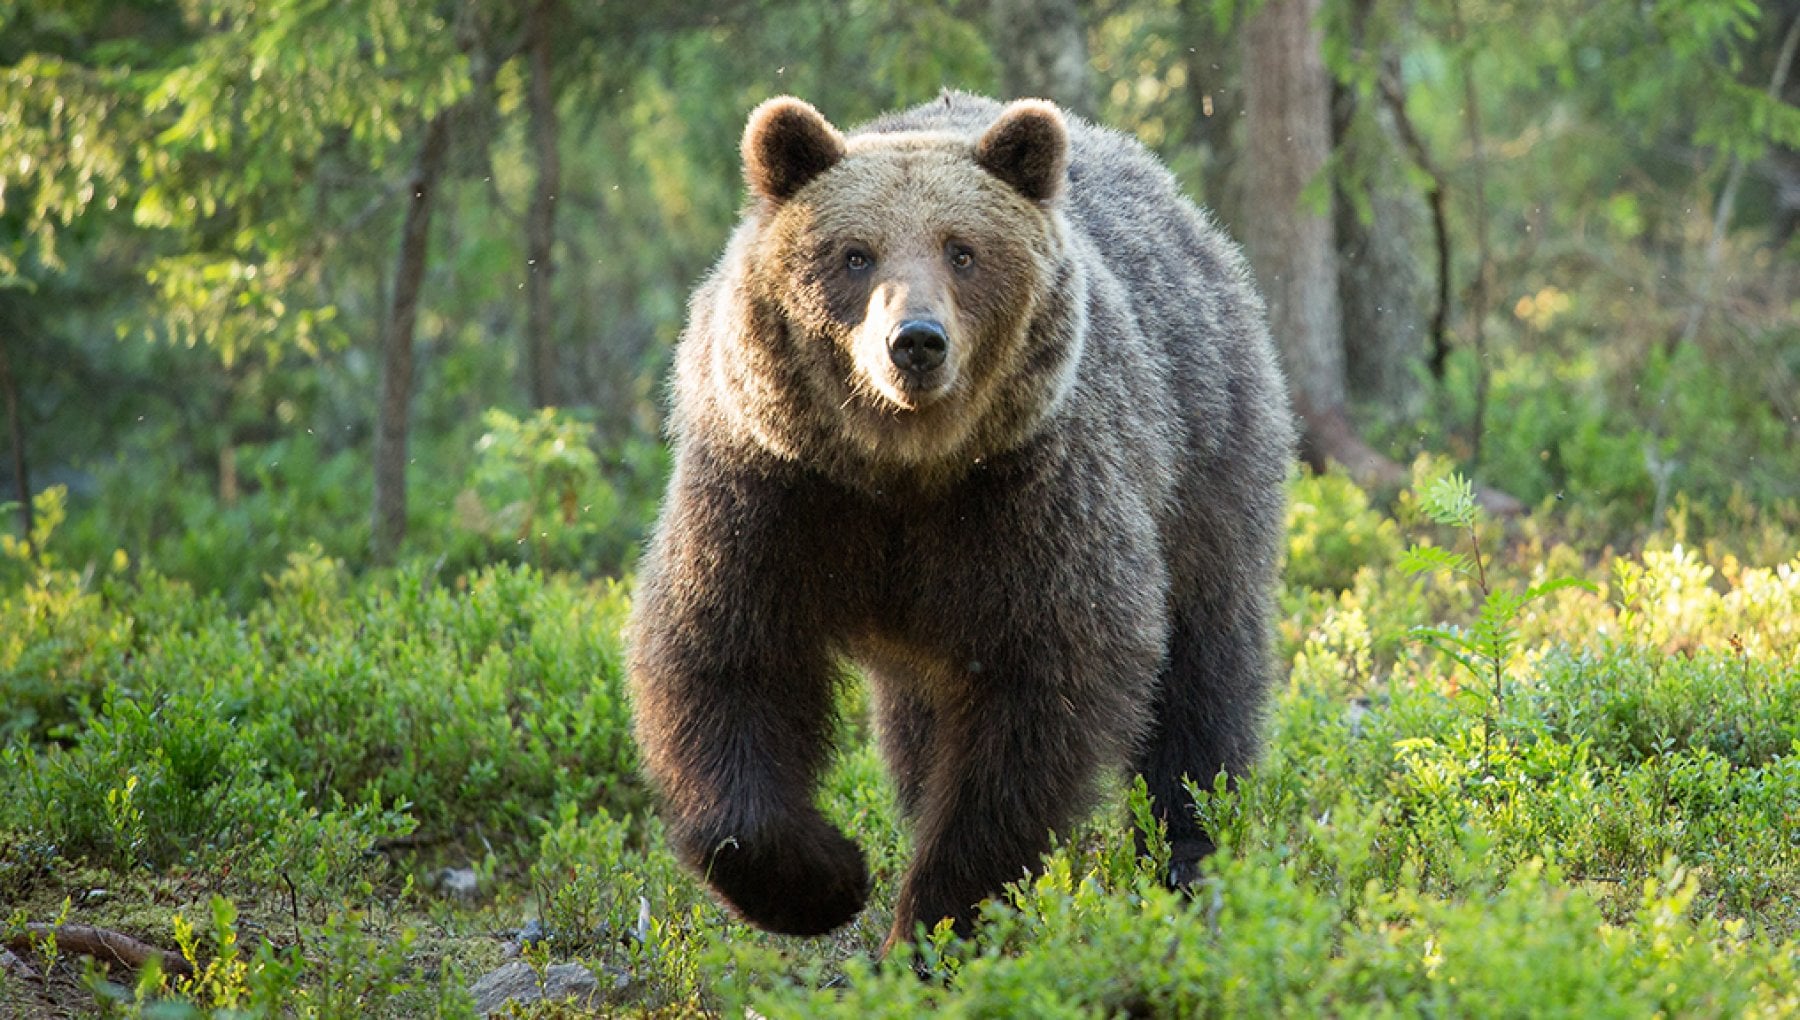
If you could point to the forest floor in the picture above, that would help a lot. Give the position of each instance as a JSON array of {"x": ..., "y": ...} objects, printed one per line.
[{"x": 364, "y": 794}]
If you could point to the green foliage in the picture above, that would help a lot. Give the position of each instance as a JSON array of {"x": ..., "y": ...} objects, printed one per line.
[
  {"x": 1618, "y": 839},
  {"x": 609, "y": 893},
  {"x": 218, "y": 715},
  {"x": 536, "y": 489},
  {"x": 357, "y": 974},
  {"x": 187, "y": 172},
  {"x": 1333, "y": 532},
  {"x": 535, "y": 471},
  {"x": 58, "y": 636},
  {"x": 297, "y": 492},
  {"x": 328, "y": 714},
  {"x": 46, "y": 102},
  {"x": 243, "y": 118},
  {"x": 293, "y": 493},
  {"x": 1707, "y": 431},
  {"x": 49, "y": 509}
]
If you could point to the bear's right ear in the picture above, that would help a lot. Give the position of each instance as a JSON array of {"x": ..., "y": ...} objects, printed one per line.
[{"x": 786, "y": 144}]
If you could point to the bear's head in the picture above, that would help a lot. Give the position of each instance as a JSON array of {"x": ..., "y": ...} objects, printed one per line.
[{"x": 912, "y": 304}]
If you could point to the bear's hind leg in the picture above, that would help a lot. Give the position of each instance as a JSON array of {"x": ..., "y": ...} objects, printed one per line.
[{"x": 905, "y": 725}]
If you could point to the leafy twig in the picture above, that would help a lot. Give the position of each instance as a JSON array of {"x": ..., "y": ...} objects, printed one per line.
[{"x": 1485, "y": 648}]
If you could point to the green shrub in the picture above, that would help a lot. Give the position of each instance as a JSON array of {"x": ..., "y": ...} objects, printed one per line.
[
  {"x": 292, "y": 492},
  {"x": 1332, "y": 532},
  {"x": 498, "y": 489},
  {"x": 352, "y": 973},
  {"x": 536, "y": 493},
  {"x": 487, "y": 707},
  {"x": 1623, "y": 444},
  {"x": 1616, "y": 834}
]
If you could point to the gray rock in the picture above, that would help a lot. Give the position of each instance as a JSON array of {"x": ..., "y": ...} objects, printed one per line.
[
  {"x": 457, "y": 883},
  {"x": 518, "y": 982},
  {"x": 532, "y": 932}
]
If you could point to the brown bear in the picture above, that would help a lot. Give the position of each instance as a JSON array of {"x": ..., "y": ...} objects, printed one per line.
[{"x": 977, "y": 401}]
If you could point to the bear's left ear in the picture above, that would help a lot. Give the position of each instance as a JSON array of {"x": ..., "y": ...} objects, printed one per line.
[
  {"x": 786, "y": 144},
  {"x": 1028, "y": 148}
]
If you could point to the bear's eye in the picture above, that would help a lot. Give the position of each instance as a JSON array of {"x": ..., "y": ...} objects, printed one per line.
[
  {"x": 960, "y": 256},
  {"x": 858, "y": 260}
]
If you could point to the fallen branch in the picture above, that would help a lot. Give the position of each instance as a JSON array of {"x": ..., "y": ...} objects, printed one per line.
[{"x": 100, "y": 944}]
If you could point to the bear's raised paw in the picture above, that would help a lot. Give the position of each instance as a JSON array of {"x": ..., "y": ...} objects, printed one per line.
[{"x": 797, "y": 882}]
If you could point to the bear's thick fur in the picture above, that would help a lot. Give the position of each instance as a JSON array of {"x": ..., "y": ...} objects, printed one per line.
[{"x": 976, "y": 400}]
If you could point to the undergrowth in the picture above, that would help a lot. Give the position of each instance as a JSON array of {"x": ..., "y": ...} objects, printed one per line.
[{"x": 1486, "y": 791}]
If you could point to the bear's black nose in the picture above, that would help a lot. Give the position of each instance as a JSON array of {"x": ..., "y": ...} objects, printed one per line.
[{"x": 918, "y": 345}]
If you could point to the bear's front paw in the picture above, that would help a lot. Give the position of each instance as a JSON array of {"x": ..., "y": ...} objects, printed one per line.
[{"x": 802, "y": 881}]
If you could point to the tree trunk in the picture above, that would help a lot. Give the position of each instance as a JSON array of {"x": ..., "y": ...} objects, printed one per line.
[
  {"x": 15, "y": 428},
  {"x": 540, "y": 223},
  {"x": 1482, "y": 297},
  {"x": 1437, "y": 197},
  {"x": 389, "y": 517},
  {"x": 1380, "y": 285},
  {"x": 1043, "y": 52},
  {"x": 1292, "y": 250},
  {"x": 1212, "y": 95}
]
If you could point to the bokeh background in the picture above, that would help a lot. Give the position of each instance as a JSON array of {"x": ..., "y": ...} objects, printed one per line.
[{"x": 1554, "y": 242}]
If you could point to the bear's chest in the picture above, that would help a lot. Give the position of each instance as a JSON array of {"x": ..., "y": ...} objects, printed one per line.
[{"x": 910, "y": 573}]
